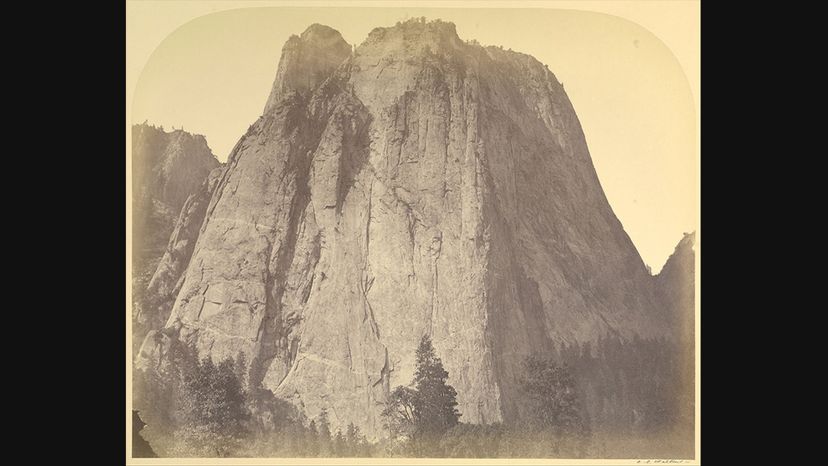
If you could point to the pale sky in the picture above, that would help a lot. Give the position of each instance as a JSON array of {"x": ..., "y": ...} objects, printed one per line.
[{"x": 213, "y": 75}]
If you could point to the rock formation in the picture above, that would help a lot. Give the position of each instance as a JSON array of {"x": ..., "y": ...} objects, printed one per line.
[
  {"x": 167, "y": 169},
  {"x": 166, "y": 281},
  {"x": 676, "y": 285},
  {"x": 417, "y": 185}
]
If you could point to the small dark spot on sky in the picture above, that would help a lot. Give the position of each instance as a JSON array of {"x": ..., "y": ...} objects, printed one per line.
[{"x": 635, "y": 43}]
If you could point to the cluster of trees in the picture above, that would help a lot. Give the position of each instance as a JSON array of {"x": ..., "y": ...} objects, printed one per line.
[
  {"x": 191, "y": 407},
  {"x": 630, "y": 385},
  {"x": 350, "y": 444},
  {"x": 423, "y": 419},
  {"x": 198, "y": 408},
  {"x": 418, "y": 417}
]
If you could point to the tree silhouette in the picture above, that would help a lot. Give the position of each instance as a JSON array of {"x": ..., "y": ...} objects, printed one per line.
[
  {"x": 241, "y": 370},
  {"x": 212, "y": 408},
  {"x": 339, "y": 446},
  {"x": 354, "y": 440},
  {"x": 400, "y": 413},
  {"x": 421, "y": 415},
  {"x": 325, "y": 443},
  {"x": 554, "y": 395},
  {"x": 436, "y": 401}
]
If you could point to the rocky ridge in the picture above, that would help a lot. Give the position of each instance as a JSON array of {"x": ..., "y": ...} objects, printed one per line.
[{"x": 167, "y": 168}]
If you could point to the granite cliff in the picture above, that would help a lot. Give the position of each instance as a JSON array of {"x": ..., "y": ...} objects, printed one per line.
[
  {"x": 676, "y": 286},
  {"x": 417, "y": 184}
]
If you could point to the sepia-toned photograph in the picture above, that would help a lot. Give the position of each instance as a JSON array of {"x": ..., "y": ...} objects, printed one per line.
[{"x": 388, "y": 231}]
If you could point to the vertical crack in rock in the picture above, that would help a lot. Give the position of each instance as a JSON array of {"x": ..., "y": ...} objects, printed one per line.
[
  {"x": 434, "y": 248},
  {"x": 277, "y": 327},
  {"x": 368, "y": 222}
]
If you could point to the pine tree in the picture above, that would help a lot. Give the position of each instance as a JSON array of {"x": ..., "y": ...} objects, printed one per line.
[
  {"x": 232, "y": 412},
  {"x": 339, "y": 446},
  {"x": 324, "y": 433},
  {"x": 354, "y": 440},
  {"x": 324, "y": 425},
  {"x": 351, "y": 432},
  {"x": 241, "y": 370},
  {"x": 424, "y": 413},
  {"x": 436, "y": 401}
]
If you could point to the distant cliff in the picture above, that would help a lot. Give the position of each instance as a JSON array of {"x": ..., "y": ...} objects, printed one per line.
[
  {"x": 676, "y": 286},
  {"x": 167, "y": 168}
]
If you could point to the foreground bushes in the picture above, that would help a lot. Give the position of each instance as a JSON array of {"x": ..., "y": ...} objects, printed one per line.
[{"x": 196, "y": 408}]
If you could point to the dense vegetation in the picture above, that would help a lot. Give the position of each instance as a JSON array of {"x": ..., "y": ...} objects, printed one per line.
[{"x": 198, "y": 408}]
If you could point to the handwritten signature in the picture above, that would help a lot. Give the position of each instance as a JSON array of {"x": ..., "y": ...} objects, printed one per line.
[{"x": 662, "y": 461}]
